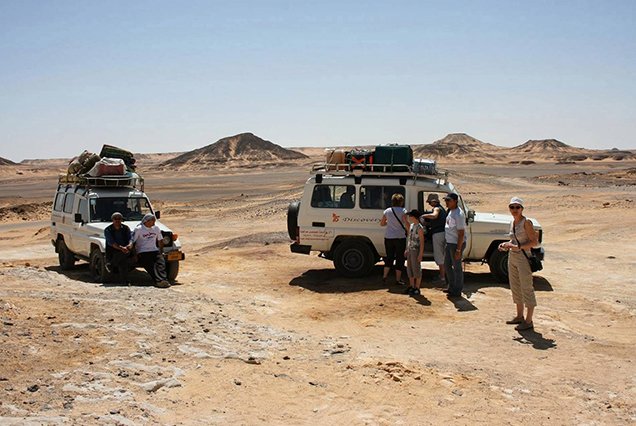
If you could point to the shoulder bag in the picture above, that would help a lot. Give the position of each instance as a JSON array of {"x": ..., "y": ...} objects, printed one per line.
[
  {"x": 535, "y": 263},
  {"x": 406, "y": 234}
]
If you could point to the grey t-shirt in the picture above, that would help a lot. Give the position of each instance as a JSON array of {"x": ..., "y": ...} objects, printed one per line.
[
  {"x": 455, "y": 220},
  {"x": 393, "y": 227}
]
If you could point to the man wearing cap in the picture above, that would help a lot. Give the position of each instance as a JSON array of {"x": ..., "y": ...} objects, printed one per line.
[
  {"x": 455, "y": 233},
  {"x": 118, "y": 251},
  {"x": 148, "y": 243},
  {"x": 437, "y": 220}
]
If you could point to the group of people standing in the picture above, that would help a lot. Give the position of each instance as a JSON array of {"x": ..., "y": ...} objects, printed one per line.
[{"x": 404, "y": 241}]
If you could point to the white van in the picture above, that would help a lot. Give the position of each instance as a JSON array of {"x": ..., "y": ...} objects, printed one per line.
[
  {"x": 340, "y": 210},
  {"x": 82, "y": 209}
]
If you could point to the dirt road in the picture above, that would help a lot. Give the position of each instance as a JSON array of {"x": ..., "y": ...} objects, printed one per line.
[{"x": 255, "y": 334}]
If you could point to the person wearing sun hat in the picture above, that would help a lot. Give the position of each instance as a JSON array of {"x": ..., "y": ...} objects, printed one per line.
[
  {"x": 436, "y": 220},
  {"x": 522, "y": 237},
  {"x": 148, "y": 243}
]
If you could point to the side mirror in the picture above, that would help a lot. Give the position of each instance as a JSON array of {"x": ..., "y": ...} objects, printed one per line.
[
  {"x": 158, "y": 214},
  {"x": 78, "y": 218},
  {"x": 470, "y": 216}
]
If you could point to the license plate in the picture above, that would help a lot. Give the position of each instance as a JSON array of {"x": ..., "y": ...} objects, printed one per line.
[{"x": 174, "y": 255}]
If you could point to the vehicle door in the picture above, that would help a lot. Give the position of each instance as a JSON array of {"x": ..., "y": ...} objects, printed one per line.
[
  {"x": 82, "y": 232},
  {"x": 57, "y": 215},
  {"x": 68, "y": 226}
]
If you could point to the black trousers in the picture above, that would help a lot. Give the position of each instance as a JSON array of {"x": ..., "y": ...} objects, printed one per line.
[
  {"x": 394, "y": 252},
  {"x": 154, "y": 263},
  {"x": 120, "y": 264}
]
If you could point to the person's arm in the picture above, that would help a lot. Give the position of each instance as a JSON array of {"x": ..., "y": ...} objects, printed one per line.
[
  {"x": 110, "y": 241},
  {"x": 433, "y": 215},
  {"x": 532, "y": 235},
  {"x": 159, "y": 239},
  {"x": 383, "y": 221}
]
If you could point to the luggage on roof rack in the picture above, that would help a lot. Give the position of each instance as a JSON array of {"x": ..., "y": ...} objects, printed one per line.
[{"x": 393, "y": 158}]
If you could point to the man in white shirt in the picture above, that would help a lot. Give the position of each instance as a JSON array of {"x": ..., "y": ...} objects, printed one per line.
[
  {"x": 455, "y": 233},
  {"x": 148, "y": 243}
]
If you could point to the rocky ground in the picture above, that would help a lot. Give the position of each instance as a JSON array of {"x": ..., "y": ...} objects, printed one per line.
[{"x": 255, "y": 334}]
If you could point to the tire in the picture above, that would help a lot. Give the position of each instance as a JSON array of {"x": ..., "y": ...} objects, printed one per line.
[
  {"x": 64, "y": 256},
  {"x": 97, "y": 267},
  {"x": 498, "y": 264},
  {"x": 172, "y": 270},
  {"x": 292, "y": 219},
  {"x": 353, "y": 258}
]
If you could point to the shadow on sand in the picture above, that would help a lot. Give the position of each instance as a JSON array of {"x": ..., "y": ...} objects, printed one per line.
[
  {"x": 80, "y": 272},
  {"x": 536, "y": 339}
]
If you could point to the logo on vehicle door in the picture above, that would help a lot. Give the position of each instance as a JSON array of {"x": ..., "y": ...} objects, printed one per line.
[{"x": 335, "y": 217}]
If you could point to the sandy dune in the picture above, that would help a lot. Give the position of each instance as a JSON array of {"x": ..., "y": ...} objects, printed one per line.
[{"x": 256, "y": 334}]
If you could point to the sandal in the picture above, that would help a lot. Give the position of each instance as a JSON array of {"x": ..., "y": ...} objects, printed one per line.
[
  {"x": 524, "y": 326},
  {"x": 515, "y": 320}
]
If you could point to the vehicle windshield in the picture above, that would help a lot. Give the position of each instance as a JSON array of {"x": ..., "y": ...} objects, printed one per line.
[{"x": 132, "y": 209}]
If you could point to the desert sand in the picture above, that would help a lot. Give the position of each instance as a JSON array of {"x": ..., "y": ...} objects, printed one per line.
[{"x": 253, "y": 334}]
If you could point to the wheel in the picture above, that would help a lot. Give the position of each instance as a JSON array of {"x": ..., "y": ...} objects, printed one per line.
[
  {"x": 64, "y": 256},
  {"x": 292, "y": 219},
  {"x": 353, "y": 258},
  {"x": 97, "y": 266},
  {"x": 498, "y": 264},
  {"x": 172, "y": 269}
]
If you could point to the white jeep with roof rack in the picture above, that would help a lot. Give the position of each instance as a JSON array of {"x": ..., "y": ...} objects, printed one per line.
[
  {"x": 82, "y": 209},
  {"x": 347, "y": 229}
]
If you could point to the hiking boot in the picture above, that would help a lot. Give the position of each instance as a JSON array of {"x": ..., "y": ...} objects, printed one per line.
[
  {"x": 162, "y": 284},
  {"x": 416, "y": 292}
]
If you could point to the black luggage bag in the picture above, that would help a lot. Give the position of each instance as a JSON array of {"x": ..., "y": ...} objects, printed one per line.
[{"x": 393, "y": 158}]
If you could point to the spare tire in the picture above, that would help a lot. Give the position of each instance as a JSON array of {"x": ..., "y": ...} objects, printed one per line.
[{"x": 292, "y": 219}]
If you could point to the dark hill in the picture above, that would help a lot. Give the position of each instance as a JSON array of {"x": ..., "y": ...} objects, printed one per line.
[
  {"x": 5, "y": 162},
  {"x": 239, "y": 148}
]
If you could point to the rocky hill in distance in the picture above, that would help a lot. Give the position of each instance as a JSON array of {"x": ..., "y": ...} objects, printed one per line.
[
  {"x": 242, "y": 148},
  {"x": 459, "y": 146},
  {"x": 5, "y": 162}
]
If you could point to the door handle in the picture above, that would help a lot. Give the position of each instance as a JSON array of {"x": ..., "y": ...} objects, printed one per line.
[{"x": 318, "y": 224}]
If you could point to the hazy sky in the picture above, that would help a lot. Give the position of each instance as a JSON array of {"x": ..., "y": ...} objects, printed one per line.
[{"x": 156, "y": 76}]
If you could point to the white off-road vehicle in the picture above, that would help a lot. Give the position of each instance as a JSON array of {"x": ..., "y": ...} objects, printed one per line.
[
  {"x": 82, "y": 209},
  {"x": 340, "y": 211}
]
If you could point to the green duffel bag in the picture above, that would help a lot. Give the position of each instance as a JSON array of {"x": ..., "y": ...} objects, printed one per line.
[
  {"x": 110, "y": 151},
  {"x": 393, "y": 158}
]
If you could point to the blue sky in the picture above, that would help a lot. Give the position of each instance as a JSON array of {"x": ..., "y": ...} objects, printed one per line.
[{"x": 157, "y": 76}]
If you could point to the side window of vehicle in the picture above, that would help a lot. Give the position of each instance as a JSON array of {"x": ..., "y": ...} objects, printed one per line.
[
  {"x": 83, "y": 209},
  {"x": 334, "y": 196},
  {"x": 59, "y": 202},
  {"x": 68, "y": 203},
  {"x": 378, "y": 197}
]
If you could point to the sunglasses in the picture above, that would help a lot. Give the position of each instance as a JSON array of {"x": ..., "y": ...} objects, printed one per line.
[{"x": 514, "y": 207}]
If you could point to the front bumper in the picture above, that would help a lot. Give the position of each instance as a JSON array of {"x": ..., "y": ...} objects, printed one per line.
[{"x": 299, "y": 248}]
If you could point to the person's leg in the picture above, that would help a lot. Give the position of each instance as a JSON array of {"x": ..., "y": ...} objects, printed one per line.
[
  {"x": 389, "y": 247},
  {"x": 160, "y": 268},
  {"x": 515, "y": 287},
  {"x": 120, "y": 264},
  {"x": 527, "y": 289},
  {"x": 417, "y": 272},
  {"x": 458, "y": 270},
  {"x": 147, "y": 261},
  {"x": 409, "y": 270},
  {"x": 448, "y": 265},
  {"x": 439, "y": 246},
  {"x": 400, "y": 248}
]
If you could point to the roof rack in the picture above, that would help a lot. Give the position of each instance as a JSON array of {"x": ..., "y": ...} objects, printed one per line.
[
  {"x": 375, "y": 170},
  {"x": 129, "y": 180}
]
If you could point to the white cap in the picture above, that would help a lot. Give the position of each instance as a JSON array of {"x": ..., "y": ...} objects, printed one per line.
[{"x": 516, "y": 200}]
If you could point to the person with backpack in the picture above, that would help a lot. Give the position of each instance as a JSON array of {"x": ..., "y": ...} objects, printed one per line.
[
  {"x": 394, "y": 218},
  {"x": 436, "y": 220}
]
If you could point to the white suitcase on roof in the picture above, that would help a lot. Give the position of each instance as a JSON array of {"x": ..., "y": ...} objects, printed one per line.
[{"x": 422, "y": 166}]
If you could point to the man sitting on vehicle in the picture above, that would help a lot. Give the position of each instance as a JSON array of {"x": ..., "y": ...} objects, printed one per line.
[
  {"x": 148, "y": 243},
  {"x": 118, "y": 249}
]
